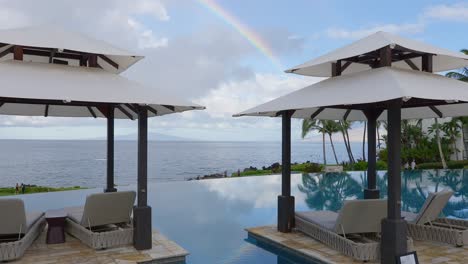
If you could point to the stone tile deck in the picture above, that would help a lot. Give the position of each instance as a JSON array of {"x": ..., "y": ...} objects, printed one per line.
[
  {"x": 164, "y": 251},
  {"x": 299, "y": 243}
]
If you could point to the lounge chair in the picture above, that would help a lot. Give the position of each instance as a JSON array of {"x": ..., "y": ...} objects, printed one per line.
[
  {"x": 353, "y": 231},
  {"x": 18, "y": 229},
  {"x": 104, "y": 221},
  {"x": 427, "y": 225}
]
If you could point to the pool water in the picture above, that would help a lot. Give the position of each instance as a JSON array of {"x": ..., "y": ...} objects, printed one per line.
[{"x": 208, "y": 217}]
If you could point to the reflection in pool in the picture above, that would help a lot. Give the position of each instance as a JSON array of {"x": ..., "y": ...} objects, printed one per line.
[{"x": 208, "y": 217}]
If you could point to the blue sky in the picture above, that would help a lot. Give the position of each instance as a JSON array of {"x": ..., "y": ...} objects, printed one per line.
[{"x": 197, "y": 55}]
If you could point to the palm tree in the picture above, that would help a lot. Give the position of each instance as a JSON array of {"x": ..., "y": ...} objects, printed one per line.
[
  {"x": 309, "y": 125},
  {"x": 462, "y": 74},
  {"x": 364, "y": 142},
  {"x": 344, "y": 127},
  {"x": 379, "y": 123},
  {"x": 331, "y": 127},
  {"x": 435, "y": 128},
  {"x": 452, "y": 130}
]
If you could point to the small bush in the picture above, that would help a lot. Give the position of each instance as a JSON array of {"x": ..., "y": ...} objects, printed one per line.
[
  {"x": 381, "y": 165},
  {"x": 360, "y": 166},
  {"x": 307, "y": 167}
]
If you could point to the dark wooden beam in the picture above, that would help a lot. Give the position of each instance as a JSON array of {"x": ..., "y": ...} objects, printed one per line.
[
  {"x": 133, "y": 108},
  {"x": 18, "y": 53},
  {"x": 6, "y": 52},
  {"x": 411, "y": 64},
  {"x": 317, "y": 112},
  {"x": 170, "y": 107},
  {"x": 152, "y": 110},
  {"x": 345, "y": 65},
  {"x": 104, "y": 109},
  {"x": 61, "y": 62},
  {"x": 436, "y": 111},
  {"x": 111, "y": 62},
  {"x": 46, "y": 53},
  {"x": 125, "y": 112},
  {"x": 91, "y": 111},
  {"x": 46, "y": 112},
  {"x": 345, "y": 117},
  {"x": 426, "y": 62}
]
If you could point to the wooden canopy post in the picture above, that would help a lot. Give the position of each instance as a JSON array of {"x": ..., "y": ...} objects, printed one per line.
[
  {"x": 142, "y": 234},
  {"x": 393, "y": 242},
  {"x": 110, "y": 186},
  {"x": 285, "y": 200},
  {"x": 371, "y": 192}
]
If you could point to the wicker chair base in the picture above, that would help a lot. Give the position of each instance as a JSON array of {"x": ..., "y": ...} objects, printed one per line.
[
  {"x": 100, "y": 240},
  {"x": 445, "y": 230},
  {"x": 359, "y": 248},
  {"x": 14, "y": 250}
]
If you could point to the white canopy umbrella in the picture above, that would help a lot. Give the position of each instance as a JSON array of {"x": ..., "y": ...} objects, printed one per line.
[
  {"x": 40, "y": 89},
  {"x": 360, "y": 56},
  {"x": 329, "y": 99},
  {"x": 45, "y": 43}
]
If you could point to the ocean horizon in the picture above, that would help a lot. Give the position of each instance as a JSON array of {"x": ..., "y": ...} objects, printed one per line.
[{"x": 64, "y": 163}]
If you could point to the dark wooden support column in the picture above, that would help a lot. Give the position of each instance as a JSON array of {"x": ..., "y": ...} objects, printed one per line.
[
  {"x": 393, "y": 242},
  {"x": 142, "y": 235},
  {"x": 285, "y": 200},
  {"x": 110, "y": 187},
  {"x": 371, "y": 192}
]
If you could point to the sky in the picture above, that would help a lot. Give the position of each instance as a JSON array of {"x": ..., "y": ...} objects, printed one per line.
[{"x": 226, "y": 55}]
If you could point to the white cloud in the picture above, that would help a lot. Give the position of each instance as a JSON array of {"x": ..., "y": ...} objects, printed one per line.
[
  {"x": 235, "y": 96},
  {"x": 146, "y": 38},
  {"x": 455, "y": 12},
  {"x": 408, "y": 28},
  {"x": 154, "y": 8}
]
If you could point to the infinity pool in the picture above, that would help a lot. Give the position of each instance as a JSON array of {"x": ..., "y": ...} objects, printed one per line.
[{"x": 208, "y": 217}]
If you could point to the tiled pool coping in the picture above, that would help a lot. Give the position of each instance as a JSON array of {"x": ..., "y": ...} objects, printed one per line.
[
  {"x": 164, "y": 251},
  {"x": 316, "y": 252}
]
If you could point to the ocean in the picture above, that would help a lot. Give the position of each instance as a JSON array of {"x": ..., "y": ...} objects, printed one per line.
[{"x": 58, "y": 163}]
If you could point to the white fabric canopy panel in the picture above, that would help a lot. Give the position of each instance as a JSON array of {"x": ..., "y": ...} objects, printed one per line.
[
  {"x": 372, "y": 86},
  {"x": 38, "y": 89},
  {"x": 66, "y": 40},
  {"x": 443, "y": 60}
]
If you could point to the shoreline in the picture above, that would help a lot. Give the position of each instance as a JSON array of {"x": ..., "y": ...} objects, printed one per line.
[{"x": 30, "y": 189}]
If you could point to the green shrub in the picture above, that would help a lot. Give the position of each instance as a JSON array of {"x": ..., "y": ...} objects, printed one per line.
[
  {"x": 360, "y": 166},
  {"x": 381, "y": 165},
  {"x": 307, "y": 167}
]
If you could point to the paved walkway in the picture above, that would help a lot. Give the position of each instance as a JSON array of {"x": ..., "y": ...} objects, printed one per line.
[
  {"x": 428, "y": 252},
  {"x": 73, "y": 251}
]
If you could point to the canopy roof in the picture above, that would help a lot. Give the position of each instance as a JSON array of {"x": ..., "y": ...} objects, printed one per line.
[
  {"x": 360, "y": 55},
  {"x": 39, "y": 89},
  {"x": 425, "y": 95},
  {"x": 42, "y": 44}
]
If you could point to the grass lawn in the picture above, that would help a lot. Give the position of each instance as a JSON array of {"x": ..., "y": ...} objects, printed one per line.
[{"x": 37, "y": 189}]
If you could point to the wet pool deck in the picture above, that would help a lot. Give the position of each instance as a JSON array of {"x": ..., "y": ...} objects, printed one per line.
[
  {"x": 308, "y": 248},
  {"x": 164, "y": 251}
]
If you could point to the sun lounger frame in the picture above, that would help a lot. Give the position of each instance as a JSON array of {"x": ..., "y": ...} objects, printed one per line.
[{"x": 15, "y": 249}]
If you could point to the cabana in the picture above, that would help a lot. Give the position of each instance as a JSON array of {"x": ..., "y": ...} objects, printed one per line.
[
  {"x": 54, "y": 72},
  {"x": 380, "y": 77}
]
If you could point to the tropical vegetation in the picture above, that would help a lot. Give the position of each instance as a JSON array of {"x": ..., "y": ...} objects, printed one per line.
[{"x": 36, "y": 189}]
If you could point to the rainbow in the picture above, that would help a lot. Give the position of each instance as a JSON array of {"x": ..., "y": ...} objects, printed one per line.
[{"x": 251, "y": 36}]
